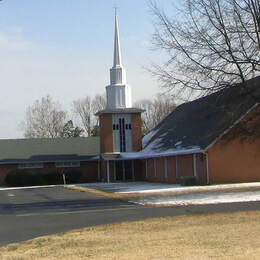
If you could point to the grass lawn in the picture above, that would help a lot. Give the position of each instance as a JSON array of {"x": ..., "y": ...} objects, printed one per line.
[{"x": 214, "y": 236}]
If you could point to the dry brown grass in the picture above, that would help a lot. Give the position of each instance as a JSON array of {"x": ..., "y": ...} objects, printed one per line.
[
  {"x": 217, "y": 236},
  {"x": 110, "y": 195}
]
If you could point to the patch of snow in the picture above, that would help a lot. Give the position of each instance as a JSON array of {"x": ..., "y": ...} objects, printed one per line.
[
  {"x": 147, "y": 153},
  {"x": 196, "y": 195},
  {"x": 29, "y": 187},
  {"x": 201, "y": 199},
  {"x": 148, "y": 137},
  {"x": 178, "y": 143},
  {"x": 148, "y": 187}
]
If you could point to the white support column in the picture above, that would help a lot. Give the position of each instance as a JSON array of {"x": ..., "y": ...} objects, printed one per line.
[
  {"x": 165, "y": 168},
  {"x": 195, "y": 166},
  {"x": 108, "y": 172},
  {"x": 133, "y": 170}
]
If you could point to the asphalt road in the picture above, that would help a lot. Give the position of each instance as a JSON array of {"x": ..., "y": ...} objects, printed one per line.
[{"x": 29, "y": 213}]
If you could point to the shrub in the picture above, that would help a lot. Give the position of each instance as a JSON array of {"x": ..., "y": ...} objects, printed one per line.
[
  {"x": 20, "y": 177},
  {"x": 188, "y": 180},
  {"x": 72, "y": 176},
  {"x": 52, "y": 178}
]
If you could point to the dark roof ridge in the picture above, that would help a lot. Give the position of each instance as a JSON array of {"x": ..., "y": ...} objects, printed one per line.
[{"x": 46, "y": 138}]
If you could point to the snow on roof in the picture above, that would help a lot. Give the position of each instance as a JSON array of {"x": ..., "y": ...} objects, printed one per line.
[
  {"x": 149, "y": 136},
  {"x": 149, "y": 154}
]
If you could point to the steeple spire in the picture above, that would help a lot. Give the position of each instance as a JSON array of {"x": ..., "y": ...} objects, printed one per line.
[
  {"x": 117, "y": 72},
  {"x": 117, "y": 50},
  {"x": 118, "y": 92}
]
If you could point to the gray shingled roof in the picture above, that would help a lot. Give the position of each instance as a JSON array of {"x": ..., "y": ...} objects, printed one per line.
[
  {"x": 48, "y": 150},
  {"x": 202, "y": 121}
]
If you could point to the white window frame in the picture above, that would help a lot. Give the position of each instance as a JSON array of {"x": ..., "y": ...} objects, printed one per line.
[
  {"x": 30, "y": 165},
  {"x": 68, "y": 164}
]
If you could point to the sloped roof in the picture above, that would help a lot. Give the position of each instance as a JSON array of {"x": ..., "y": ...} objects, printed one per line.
[
  {"x": 48, "y": 150},
  {"x": 200, "y": 122}
]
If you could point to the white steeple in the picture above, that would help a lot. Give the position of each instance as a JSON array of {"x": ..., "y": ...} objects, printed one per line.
[
  {"x": 117, "y": 49},
  {"x": 118, "y": 92}
]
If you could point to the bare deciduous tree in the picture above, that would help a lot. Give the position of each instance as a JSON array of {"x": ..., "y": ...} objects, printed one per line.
[
  {"x": 44, "y": 118},
  {"x": 155, "y": 110},
  {"x": 82, "y": 109},
  {"x": 85, "y": 110},
  {"x": 213, "y": 44}
]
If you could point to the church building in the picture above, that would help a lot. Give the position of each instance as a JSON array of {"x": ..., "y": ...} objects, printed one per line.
[{"x": 214, "y": 139}]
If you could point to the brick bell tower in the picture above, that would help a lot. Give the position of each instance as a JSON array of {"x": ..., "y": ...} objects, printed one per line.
[{"x": 120, "y": 123}]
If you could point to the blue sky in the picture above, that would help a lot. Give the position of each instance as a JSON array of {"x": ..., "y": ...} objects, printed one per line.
[{"x": 64, "y": 48}]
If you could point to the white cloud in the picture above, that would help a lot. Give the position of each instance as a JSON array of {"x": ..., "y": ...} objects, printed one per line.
[
  {"x": 15, "y": 41},
  {"x": 15, "y": 29}
]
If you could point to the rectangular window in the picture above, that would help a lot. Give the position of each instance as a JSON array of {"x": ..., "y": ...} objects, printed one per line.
[
  {"x": 67, "y": 164},
  {"x": 30, "y": 165},
  {"x": 122, "y": 134},
  {"x": 114, "y": 127}
]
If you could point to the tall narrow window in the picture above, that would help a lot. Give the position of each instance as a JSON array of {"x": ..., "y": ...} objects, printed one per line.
[{"x": 122, "y": 134}]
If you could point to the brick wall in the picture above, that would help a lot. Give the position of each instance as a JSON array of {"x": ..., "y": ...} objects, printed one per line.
[
  {"x": 106, "y": 133},
  {"x": 185, "y": 165},
  {"x": 137, "y": 132},
  {"x": 201, "y": 164},
  {"x": 171, "y": 166},
  {"x": 236, "y": 156},
  {"x": 236, "y": 161}
]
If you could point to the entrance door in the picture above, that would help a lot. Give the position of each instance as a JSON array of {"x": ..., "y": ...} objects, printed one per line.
[
  {"x": 123, "y": 170},
  {"x": 128, "y": 170},
  {"x": 119, "y": 171}
]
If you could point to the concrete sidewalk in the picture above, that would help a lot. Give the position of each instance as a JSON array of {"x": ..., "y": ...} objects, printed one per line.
[
  {"x": 158, "y": 194},
  {"x": 148, "y": 187}
]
